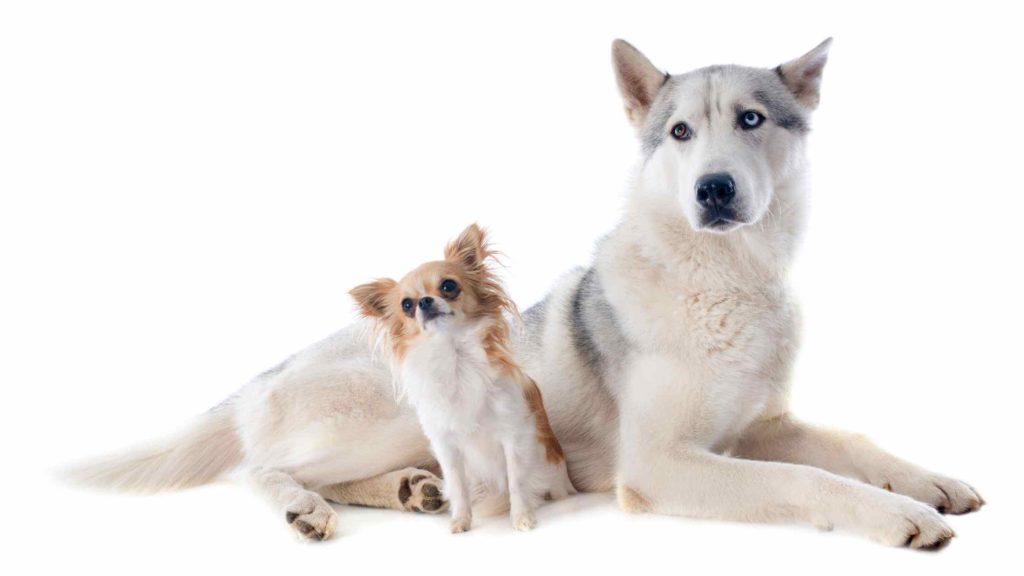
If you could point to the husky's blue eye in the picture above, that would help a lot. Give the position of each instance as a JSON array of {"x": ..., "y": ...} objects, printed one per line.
[
  {"x": 681, "y": 131},
  {"x": 449, "y": 288},
  {"x": 751, "y": 119}
]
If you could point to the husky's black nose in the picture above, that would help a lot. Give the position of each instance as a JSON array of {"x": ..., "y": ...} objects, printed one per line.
[
  {"x": 715, "y": 190},
  {"x": 426, "y": 303}
]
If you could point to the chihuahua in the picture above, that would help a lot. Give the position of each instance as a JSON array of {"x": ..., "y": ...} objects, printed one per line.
[{"x": 446, "y": 326}]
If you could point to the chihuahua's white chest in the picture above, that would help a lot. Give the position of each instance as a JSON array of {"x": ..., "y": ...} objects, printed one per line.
[{"x": 450, "y": 382}]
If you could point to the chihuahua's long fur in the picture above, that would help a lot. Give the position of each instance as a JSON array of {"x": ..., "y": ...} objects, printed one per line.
[{"x": 446, "y": 327}]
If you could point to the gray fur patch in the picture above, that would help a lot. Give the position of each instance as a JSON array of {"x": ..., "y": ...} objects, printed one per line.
[
  {"x": 766, "y": 87},
  {"x": 533, "y": 321},
  {"x": 662, "y": 109},
  {"x": 534, "y": 315},
  {"x": 781, "y": 111},
  {"x": 595, "y": 331},
  {"x": 275, "y": 370}
]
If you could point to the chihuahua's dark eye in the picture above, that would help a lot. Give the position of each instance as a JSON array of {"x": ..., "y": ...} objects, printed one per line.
[
  {"x": 407, "y": 304},
  {"x": 751, "y": 119},
  {"x": 449, "y": 288},
  {"x": 681, "y": 131}
]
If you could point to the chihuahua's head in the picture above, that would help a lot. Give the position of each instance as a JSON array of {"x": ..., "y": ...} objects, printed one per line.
[{"x": 456, "y": 293}]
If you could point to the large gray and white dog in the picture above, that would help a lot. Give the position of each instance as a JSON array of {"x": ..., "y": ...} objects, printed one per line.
[{"x": 665, "y": 365}]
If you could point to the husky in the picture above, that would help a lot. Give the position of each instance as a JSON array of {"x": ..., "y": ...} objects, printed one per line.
[{"x": 665, "y": 365}]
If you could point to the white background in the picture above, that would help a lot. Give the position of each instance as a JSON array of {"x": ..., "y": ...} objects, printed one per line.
[{"x": 190, "y": 188}]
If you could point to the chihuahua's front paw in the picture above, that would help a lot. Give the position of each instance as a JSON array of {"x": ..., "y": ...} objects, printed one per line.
[
  {"x": 524, "y": 522},
  {"x": 461, "y": 524}
]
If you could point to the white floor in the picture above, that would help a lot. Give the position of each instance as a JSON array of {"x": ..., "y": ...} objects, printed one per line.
[{"x": 223, "y": 527}]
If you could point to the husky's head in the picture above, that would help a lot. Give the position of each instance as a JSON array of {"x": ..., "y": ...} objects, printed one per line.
[{"x": 720, "y": 140}]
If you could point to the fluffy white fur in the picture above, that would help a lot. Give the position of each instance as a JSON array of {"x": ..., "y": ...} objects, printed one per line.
[{"x": 479, "y": 425}]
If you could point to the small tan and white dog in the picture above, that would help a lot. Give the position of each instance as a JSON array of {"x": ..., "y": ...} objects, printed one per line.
[{"x": 446, "y": 327}]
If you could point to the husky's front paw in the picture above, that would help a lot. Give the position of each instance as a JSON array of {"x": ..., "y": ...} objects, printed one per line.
[
  {"x": 909, "y": 523},
  {"x": 524, "y": 521},
  {"x": 461, "y": 524},
  {"x": 311, "y": 516},
  {"x": 946, "y": 495},
  {"x": 420, "y": 491}
]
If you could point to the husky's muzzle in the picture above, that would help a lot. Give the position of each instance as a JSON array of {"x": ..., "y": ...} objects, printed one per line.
[{"x": 715, "y": 194}]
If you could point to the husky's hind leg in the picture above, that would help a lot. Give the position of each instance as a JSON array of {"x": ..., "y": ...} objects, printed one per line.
[
  {"x": 412, "y": 489},
  {"x": 305, "y": 511}
]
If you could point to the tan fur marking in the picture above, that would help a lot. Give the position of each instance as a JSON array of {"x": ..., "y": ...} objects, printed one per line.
[
  {"x": 552, "y": 449},
  {"x": 632, "y": 501}
]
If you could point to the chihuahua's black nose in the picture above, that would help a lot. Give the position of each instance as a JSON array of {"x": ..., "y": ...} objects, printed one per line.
[
  {"x": 426, "y": 303},
  {"x": 715, "y": 190}
]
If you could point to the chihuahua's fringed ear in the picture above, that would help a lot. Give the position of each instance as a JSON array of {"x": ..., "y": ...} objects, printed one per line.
[
  {"x": 470, "y": 248},
  {"x": 471, "y": 251},
  {"x": 373, "y": 296}
]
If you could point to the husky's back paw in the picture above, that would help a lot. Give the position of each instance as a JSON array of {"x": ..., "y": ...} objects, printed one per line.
[
  {"x": 311, "y": 516},
  {"x": 420, "y": 491}
]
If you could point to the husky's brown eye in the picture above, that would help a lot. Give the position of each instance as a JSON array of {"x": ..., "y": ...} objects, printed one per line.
[
  {"x": 751, "y": 119},
  {"x": 449, "y": 288},
  {"x": 681, "y": 131}
]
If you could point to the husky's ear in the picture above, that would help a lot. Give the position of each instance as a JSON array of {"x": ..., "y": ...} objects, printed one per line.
[
  {"x": 469, "y": 249},
  {"x": 638, "y": 79},
  {"x": 803, "y": 75},
  {"x": 373, "y": 297}
]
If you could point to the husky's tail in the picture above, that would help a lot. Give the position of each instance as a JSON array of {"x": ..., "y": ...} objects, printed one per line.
[{"x": 200, "y": 454}]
